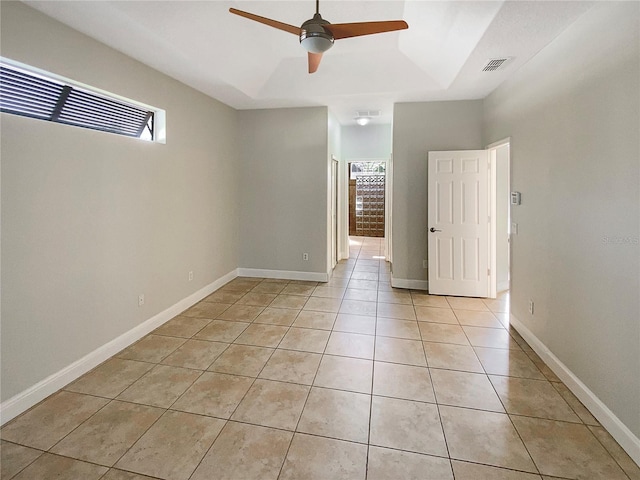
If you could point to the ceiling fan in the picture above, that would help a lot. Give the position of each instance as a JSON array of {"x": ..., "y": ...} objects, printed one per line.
[{"x": 317, "y": 35}]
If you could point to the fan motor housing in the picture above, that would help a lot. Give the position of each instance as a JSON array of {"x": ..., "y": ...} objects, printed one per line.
[{"x": 314, "y": 37}]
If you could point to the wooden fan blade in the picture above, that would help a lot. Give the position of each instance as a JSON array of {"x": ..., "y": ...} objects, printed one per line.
[
  {"x": 347, "y": 30},
  {"x": 314, "y": 61},
  {"x": 267, "y": 21}
]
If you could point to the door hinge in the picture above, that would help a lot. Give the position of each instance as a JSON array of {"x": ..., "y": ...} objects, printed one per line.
[{"x": 488, "y": 272}]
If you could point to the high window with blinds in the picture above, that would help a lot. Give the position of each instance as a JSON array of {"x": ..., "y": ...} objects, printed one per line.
[{"x": 30, "y": 94}]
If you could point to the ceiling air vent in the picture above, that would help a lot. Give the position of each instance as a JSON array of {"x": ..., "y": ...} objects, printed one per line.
[
  {"x": 494, "y": 64},
  {"x": 369, "y": 113}
]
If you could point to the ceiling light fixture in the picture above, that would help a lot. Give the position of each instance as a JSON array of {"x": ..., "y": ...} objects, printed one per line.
[{"x": 362, "y": 121}]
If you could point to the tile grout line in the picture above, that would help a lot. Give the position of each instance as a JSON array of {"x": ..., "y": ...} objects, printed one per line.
[
  {"x": 42, "y": 452},
  {"x": 435, "y": 398},
  {"x": 241, "y": 400},
  {"x": 499, "y": 399},
  {"x": 331, "y": 437},
  {"x": 163, "y": 413},
  {"x": 295, "y": 430},
  {"x": 373, "y": 373},
  {"x": 505, "y": 409},
  {"x": 590, "y": 427},
  {"x": 322, "y": 356}
]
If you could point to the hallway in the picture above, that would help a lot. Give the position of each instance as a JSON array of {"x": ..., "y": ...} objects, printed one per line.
[{"x": 270, "y": 379}]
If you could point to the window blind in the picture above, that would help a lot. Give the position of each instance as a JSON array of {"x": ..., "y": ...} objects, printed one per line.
[{"x": 27, "y": 94}]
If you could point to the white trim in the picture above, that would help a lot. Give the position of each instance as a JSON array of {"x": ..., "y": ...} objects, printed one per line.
[
  {"x": 618, "y": 430},
  {"x": 411, "y": 284},
  {"x": 388, "y": 198},
  {"x": 493, "y": 224},
  {"x": 343, "y": 210},
  {"x": 283, "y": 274},
  {"x": 334, "y": 226},
  {"x": 493, "y": 253},
  {"x": 26, "y": 399},
  {"x": 499, "y": 143}
]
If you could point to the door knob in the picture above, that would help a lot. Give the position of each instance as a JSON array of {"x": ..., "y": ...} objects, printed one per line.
[{"x": 433, "y": 230}]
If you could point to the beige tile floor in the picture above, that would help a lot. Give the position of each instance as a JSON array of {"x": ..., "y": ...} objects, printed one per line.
[{"x": 349, "y": 380}]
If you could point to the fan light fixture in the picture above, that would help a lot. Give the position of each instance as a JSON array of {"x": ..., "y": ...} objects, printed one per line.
[
  {"x": 313, "y": 37},
  {"x": 317, "y": 34},
  {"x": 362, "y": 121}
]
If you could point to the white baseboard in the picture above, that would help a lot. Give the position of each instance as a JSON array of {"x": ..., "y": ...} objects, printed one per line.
[
  {"x": 618, "y": 430},
  {"x": 283, "y": 274},
  {"x": 411, "y": 284},
  {"x": 502, "y": 286},
  {"x": 24, "y": 400}
]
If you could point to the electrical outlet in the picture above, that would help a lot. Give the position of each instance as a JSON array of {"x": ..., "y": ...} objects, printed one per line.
[
  {"x": 305, "y": 257},
  {"x": 191, "y": 276},
  {"x": 141, "y": 299},
  {"x": 531, "y": 306},
  {"x": 425, "y": 263}
]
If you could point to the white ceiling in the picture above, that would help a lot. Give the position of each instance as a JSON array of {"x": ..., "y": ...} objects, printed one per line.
[{"x": 249, "y": 65}]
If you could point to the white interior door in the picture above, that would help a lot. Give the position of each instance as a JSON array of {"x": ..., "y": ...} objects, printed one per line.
[{"x": 458, "y": 223}]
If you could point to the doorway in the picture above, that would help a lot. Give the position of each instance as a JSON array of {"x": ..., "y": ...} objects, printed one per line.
[
  {"x": 367, "y": 193},
  {"x": 500, "y": 158}
]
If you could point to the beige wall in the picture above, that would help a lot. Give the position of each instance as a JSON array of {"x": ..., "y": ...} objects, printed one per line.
[
  {"x": 417, "y": 129},
  {"x": 90, "y": 220},
  {"x": 283, "y": 189},
  {"x": 573, "y": 117}
]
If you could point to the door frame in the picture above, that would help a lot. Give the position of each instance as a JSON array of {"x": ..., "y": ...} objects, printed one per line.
[
  {"x": 493, "y": 199},
  {"x": 344, "y": 210},
  {"x": 334, "y": 212},
  {"x": 388, "y": 196}
]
